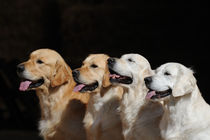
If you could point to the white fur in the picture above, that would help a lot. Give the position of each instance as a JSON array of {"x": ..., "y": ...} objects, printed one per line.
[
  {"x": 140, "y": 118},
  {"x": 187, "y": 115},
  {"x": 28, "y": 75}
]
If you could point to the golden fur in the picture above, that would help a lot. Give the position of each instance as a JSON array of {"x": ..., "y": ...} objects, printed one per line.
[
  {"x": 102, "y": 119},
  {"x": 62, "y": 110}
]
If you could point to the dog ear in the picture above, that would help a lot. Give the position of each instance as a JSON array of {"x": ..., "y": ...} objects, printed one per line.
[
  {"x": 106, "y": 82},
  {"x": 185, "y": 84},
  {"x": 60, "y": 75},
  {"x": 147, "y": 72}
]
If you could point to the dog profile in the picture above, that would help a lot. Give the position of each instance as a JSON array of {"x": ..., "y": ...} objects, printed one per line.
[
  {"x": 187, "y": 115},
  {"x": 140, "y": 117},
  {"x": 102, "y": 119},
  {"x": 62, "y": 110}
]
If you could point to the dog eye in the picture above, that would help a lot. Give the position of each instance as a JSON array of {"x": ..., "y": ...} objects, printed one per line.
[
  {"x": 130, "y": 60},
  {"x": 39, "y": 61},
  {"x": 93, "y": 66},
  {"x": 167, "y": 73}
]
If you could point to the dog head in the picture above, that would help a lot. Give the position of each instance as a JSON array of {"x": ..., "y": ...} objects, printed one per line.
[
  {"x": 93, "y": 74},
  {"x": 170, "y": 79},
  {"x": 45, "y": 68},
  {"x": 129, "y": 70}
]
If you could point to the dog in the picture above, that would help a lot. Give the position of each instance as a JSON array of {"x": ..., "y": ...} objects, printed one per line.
[
  {"x": 140, "y": 117},
  {"x": 62, "y": 110},
  {"x": 187, "y": 115},
  {"x": 102, "y": 120}
]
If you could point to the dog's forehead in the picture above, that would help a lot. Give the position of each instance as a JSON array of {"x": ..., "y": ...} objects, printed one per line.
[
  {"x": 128, "y": 56},
  {"x": 169, "y": 67},
  {"x": 45, "y": 55},
  {"x": 135, "y": 57},
  {"x": 140, "y": 61},
  {"x": 99, "y": 59}
]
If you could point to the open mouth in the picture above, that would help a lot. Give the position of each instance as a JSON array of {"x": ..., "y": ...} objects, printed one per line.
[
  {"x": 158, "y": 94},
  {"x": 117, "y": 78},
  {"x": 29, "y": 84},
  {"x": 83, "y": 88}
]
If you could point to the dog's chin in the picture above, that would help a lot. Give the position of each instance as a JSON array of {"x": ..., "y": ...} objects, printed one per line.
[
  {"x": 117, "y": 78},
  {"x": 27, "y": 84},
  {"x": 159, "y": 95},
  {"x": 80, "y": 87}
]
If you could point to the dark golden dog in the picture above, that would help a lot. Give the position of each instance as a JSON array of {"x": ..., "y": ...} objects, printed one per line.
[{"x": 62, "y": 110}]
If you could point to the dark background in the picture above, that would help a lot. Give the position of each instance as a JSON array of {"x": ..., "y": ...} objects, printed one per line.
[{"x": 161, "y": 31}]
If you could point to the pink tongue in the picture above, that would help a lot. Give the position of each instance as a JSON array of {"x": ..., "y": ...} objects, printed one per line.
[
  {"x": 24, "y": 85},
  {"x": 150, "y": 94},
  {"x": 114, "y": 76},
  {"x": 78, "y": 87}
]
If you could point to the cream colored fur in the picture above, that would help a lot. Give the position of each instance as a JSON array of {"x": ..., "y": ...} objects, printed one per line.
[
  {"x": 187, "y": 115},
  {"x": 140, "y": 117},
  {"x": 102, "y": 119}
]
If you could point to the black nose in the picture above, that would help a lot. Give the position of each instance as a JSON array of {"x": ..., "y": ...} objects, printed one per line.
[
  {"x": 75, "y": 73},
  {"x": 148, "y": 80},
  {"x": 111, "y": 61},
  {"x": 20, "y": 68}
]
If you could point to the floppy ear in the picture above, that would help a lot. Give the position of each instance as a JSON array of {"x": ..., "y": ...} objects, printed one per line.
[
  {"x": 106, "y": 82},
  {"x": 147, "y": 72},
  {"x": 185, "y": 84},
  {"x": 60, "y": 75}
]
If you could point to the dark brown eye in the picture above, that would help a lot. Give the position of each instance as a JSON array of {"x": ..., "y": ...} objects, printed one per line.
[
  {"x": 93, "y": 66},
  {"x": 130, "y": 60},
  {"x": 167, "y": 73},
  {"x": 39, "y": 61}
]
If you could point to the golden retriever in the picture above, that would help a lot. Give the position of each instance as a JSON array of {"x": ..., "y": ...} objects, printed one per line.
[
  {"x": 187, "y": 115},
  {"x": 140, "y": 117},
  {"x": 62, "y": 110},
  {"x": 102, "y": 120}
]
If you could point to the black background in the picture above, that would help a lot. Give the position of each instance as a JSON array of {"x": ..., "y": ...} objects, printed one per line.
[{"x": 162, "y": 31}]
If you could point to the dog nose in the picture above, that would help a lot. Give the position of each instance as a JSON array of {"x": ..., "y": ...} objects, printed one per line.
[
  {"x": 148, "y": 80},
  {"x": 111, "y": 61},
  {"x": 20, "y": 68},
  {"x": 75, "y": 73}
]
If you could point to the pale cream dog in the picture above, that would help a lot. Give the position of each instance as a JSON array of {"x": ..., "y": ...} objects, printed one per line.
[
  {"x": 62, "y": 110},
  {"x": 102, "y": 120},
  {"x": 187, "y": 115},
  {"x": 140, "y": 117}
]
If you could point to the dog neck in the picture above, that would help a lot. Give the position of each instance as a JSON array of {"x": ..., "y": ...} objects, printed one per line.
[
  {"x": 54, "y": 102},
  {"x": 98, "y": 99},
  {"x": 180, "y": 113},
  {"x": 133, "y": 93},
  {"x": 132, "y": 101},
  {"x": 50, "y": 98}
]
